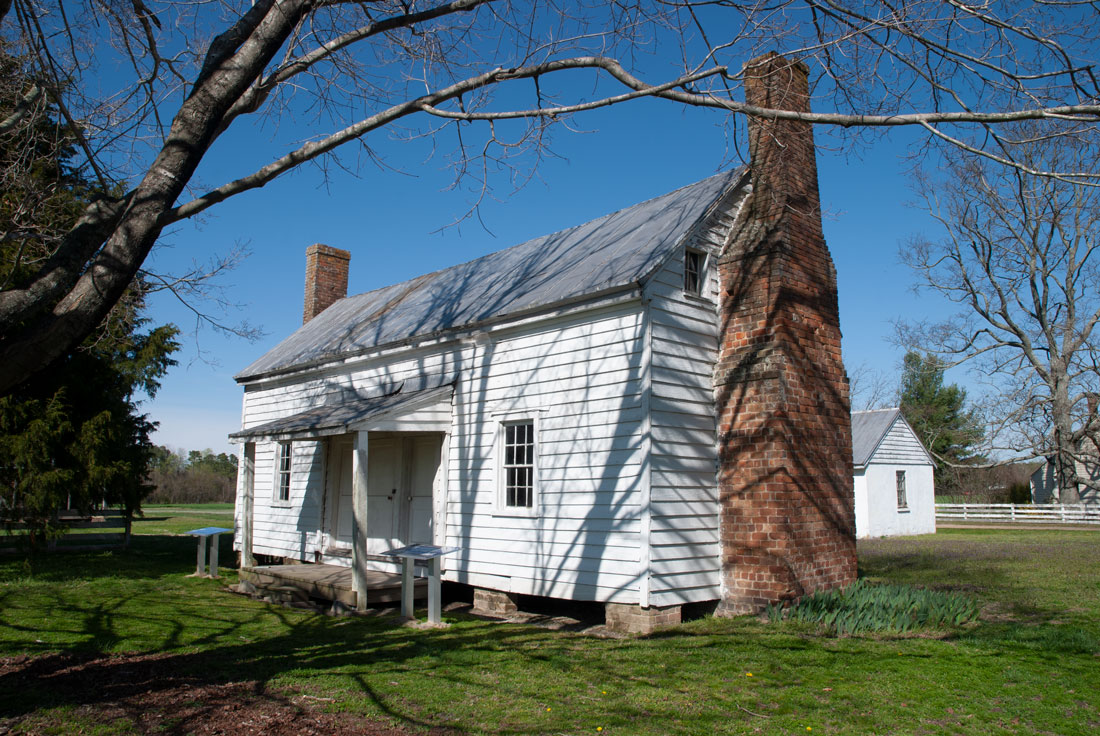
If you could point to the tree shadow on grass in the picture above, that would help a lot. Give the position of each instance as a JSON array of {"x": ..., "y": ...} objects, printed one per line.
[{"x": 148, "y": 556}]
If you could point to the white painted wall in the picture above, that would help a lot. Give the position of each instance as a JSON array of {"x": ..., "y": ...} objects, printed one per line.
[
  {"x": 579, "y": 374},
  {"x": 684, "y": 550},
  {"x": 579, "y": 378},
  {"x": 877, "y": 512}
]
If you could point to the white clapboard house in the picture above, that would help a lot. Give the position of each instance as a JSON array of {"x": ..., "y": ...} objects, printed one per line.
[
  {"x": 548, "y": 409},
  {"x": 894, "y": 483},
  {"x": 566, "y": 413},
  {"x": 1045, "y": 487}
]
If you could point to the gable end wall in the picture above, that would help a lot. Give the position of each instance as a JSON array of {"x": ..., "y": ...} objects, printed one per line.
[{"x": 685, "y": 560}]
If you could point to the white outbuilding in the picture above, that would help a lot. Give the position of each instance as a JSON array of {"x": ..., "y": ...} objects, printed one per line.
[{"x": 894, "y": 482}]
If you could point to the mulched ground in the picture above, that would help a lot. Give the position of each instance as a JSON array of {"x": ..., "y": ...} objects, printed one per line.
[{"x": 140, "y": 691}]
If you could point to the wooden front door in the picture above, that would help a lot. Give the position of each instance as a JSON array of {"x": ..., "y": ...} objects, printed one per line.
[{"x": 402, "y": 473}]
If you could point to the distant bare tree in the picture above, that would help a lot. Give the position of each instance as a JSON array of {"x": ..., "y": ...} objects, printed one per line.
[
  {"x": 871, "y": 389},
  {"x": 1020, "y": 261},
  {"x": 148, "y": 87}
]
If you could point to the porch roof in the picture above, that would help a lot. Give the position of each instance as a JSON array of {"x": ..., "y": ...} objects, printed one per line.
[{"x": 348, "y": 416}]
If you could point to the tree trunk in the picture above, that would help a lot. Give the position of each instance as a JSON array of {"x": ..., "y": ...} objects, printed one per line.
[{"x": 1065, "y": 461}]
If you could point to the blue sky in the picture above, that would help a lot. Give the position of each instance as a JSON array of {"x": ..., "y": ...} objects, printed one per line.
[{"x": 395, "y": 225}]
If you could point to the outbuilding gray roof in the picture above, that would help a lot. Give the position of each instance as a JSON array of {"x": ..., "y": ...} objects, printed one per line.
[
  {"x": 868, "y": 429},
  {"x": 613, "y": 252}
]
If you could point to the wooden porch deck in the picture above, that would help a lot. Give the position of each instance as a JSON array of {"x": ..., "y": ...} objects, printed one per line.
[{"x": 331, "y": 582}]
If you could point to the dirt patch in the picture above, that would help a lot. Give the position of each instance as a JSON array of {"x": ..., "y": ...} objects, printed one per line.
[{"x": 140, "y": 693}]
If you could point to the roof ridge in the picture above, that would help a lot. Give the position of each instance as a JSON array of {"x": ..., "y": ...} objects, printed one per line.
[{"x": 425, "y": 276}]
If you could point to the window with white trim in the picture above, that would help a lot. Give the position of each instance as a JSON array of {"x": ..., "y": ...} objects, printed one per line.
[
  {"x": 283, "y": 459},
  {"x": 518, "y": 468},
  {"x": 695, "y": 264},
  {"x": 902, "y": 501}
]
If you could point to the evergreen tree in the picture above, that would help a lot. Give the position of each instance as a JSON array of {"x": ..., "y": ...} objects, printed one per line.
[
  {"x": 939, "y": 416},
  {"x": 72, "y": 435}
]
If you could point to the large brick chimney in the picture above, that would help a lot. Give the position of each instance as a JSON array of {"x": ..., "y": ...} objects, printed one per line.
[
  {"x": 785, "y": 440},
  {"x": 326, "y": 278}
]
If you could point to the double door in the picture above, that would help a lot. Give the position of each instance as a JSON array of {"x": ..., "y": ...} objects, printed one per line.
[{"x": 402, "y": 474}]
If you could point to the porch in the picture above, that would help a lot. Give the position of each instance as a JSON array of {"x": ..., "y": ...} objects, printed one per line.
[
  {"x": 331, "y": 582},
  {"x": 323, "y": 468}
]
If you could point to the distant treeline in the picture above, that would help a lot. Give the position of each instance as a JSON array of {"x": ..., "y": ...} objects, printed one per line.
[{"x": 192, "y": 476}]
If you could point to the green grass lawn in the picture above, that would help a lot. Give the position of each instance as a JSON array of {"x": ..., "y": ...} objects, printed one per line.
[{"x": 1032, "y": 665}]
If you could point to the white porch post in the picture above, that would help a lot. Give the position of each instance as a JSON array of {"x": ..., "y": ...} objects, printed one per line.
[
  {"x": 248, "y": 484},
  {"x": 359, "y": 520}
]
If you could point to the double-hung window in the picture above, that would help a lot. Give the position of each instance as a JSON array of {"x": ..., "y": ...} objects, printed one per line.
[
  {"x": 283, "y": 459},
  {"x": 902, "y": 501},
  {"x": 518, "y": 467}
]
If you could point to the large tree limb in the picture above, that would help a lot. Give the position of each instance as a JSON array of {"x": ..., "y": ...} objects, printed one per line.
[{"x": 28, "y": 340}]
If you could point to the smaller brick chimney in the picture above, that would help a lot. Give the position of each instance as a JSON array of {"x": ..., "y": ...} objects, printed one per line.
[{"x": 326, "y": 278}]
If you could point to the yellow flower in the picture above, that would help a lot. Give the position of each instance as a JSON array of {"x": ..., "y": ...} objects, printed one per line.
[
  {"x": 748, "y": 674},
  {"x": 547, "y": 710}
]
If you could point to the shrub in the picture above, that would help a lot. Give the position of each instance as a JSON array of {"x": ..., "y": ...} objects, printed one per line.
[
  {"x": 1019, "y": 493},
  {"x": 865, "y": 607}
]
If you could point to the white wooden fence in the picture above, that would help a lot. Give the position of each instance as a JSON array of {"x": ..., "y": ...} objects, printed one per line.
[{"x": 1010, "y": 513}]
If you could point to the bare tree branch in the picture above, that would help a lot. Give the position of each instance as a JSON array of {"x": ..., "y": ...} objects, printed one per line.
[{"x": 963, "y": 72}]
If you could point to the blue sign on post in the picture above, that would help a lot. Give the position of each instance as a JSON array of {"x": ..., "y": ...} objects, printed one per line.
[
  {"x": 409, "y": 556},
  {"x": 208, "y": 537}
]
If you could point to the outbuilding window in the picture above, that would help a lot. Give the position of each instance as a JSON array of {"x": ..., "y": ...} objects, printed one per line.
[
  {"x": 902, "y": 502},
  {"x": 518, "y": 467},
  {"x": 282, "y": 471}
]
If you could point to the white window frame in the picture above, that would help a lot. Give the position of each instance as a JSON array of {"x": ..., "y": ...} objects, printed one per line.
[
  {"x": 901, "y": 486},
  {"x": 283, "y": 474},
  {"x": 503, "y": 420},
  {"x": 701, "y": 276}
]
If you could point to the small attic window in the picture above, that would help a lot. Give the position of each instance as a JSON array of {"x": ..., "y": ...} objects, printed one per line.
[{"x": 695, "y": 262}]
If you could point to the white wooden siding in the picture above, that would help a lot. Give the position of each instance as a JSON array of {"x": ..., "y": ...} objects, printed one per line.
[
  {"x": 684, "y": 559},
  {"x": 289, "y": 528},
  {"x": 294, "y": 529},
  {"x": 580, "y": 374},
  {"x": 899, "y": 447}
]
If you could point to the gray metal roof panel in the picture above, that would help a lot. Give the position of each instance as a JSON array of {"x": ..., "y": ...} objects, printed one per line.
[
  {"x": 340, "y": 414},
  {"x": 868, "y": 429},
  {"x": 613, "y": 251}
]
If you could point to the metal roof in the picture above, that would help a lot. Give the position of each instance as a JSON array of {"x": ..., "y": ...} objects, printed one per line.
[
  {"x": 345, "y": 413},
  {"x": 868, "y": 429},
  {"x": 606, "y": 254}
]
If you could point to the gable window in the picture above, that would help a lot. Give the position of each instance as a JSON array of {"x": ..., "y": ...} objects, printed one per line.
[
  {"x": 902, "y": 502},
  {"x": 282, "y": 471},
  {"x": 518, "y": 464},
  {"x": 695, "y": 262}
]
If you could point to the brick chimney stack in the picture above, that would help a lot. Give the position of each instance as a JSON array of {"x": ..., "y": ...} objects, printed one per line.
[
  {"x": 326, "y": 278},
  {"x": 785, "y": 440}
]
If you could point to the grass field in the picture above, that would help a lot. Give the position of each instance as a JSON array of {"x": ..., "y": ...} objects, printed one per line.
[{"x": 1031, "y": 665}]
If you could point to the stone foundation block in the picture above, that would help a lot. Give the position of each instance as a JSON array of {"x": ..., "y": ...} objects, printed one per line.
[{"x": 494, "y": 602}]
